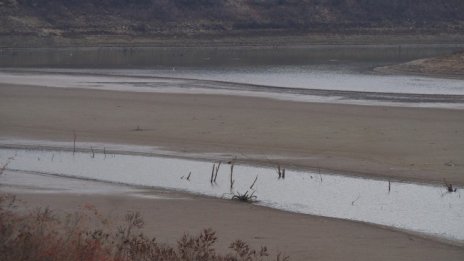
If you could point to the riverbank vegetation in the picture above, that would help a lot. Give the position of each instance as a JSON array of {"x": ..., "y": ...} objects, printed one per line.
[{"x": 42, "y": 235}]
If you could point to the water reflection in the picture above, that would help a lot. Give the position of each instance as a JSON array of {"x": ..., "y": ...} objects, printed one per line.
[{"x": 142, "y": 57}]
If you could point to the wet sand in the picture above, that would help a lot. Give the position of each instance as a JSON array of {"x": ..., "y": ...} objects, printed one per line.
[
  {"x": 401, "y": 143},
  {"x": 169, "y": 215}
]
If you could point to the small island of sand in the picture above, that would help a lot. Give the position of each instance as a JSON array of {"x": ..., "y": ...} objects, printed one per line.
[{"x": 446, "y": 66}]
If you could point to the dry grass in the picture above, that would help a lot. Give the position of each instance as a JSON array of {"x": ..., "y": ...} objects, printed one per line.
[
  {"x": 245, "y": 197},
  {"x": 41, "y": 235}
]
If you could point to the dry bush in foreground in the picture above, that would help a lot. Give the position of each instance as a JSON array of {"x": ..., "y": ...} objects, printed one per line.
[{"x": 40, "y": 235}]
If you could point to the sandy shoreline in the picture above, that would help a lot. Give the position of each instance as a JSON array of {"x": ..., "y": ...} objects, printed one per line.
[
  {"x": 401, "y": 143},
  {"x": 168, "y": 215},
  {"x": 106, "y": 81},
  {"x": 450, "y": 66}
]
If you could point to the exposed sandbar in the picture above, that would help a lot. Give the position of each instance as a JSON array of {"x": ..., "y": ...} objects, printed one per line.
[{"x": 402, "y": 143}]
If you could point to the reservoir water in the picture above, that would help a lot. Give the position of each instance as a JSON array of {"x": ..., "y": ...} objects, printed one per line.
[
  {"x": 343, "y": 73},
  {"x": 420, "y": 208}
]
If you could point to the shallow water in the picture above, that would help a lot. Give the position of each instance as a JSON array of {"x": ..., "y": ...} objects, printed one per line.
[
  {"x": 336, "y": 77},
  {"x": 323, "y": 67},
  {"x": 420, "y": 208}
]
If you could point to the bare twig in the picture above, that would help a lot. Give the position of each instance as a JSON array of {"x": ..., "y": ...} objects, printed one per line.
[
  {"x": 74, "y": 142},
  {"x": 188, "y": 177},
  {"x": 389, "y": 186},
  {"x": 449, "y": 186},
  {"x": 216, "y": 171},
  {"x": 212, "y": 173},
  {"x": 252, "y": 185},
  {"x": 232, "y": 164},
  {"x": 279, "y": 171}
]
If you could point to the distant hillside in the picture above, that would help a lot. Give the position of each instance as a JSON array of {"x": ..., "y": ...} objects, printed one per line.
[{"x": 71, "y": 18}]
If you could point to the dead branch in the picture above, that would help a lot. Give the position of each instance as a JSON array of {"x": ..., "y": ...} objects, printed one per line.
[
  {"x": 232, "y": 175},
  {"x": 74, "y": 142},
  {"x": 252, "y": 185},
  {"x": 216, "y": 171},
  {"x": 449, "y": 186},
  {"x": 212, "y": 173}
]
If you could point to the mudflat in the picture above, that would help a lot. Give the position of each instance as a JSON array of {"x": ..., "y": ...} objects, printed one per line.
[
  {"x": 302, "y": 237},
  {"x": 402, "y": 143}
]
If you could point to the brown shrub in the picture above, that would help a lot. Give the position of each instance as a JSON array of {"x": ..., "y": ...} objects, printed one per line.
[{"x": 41, "y": 235}]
